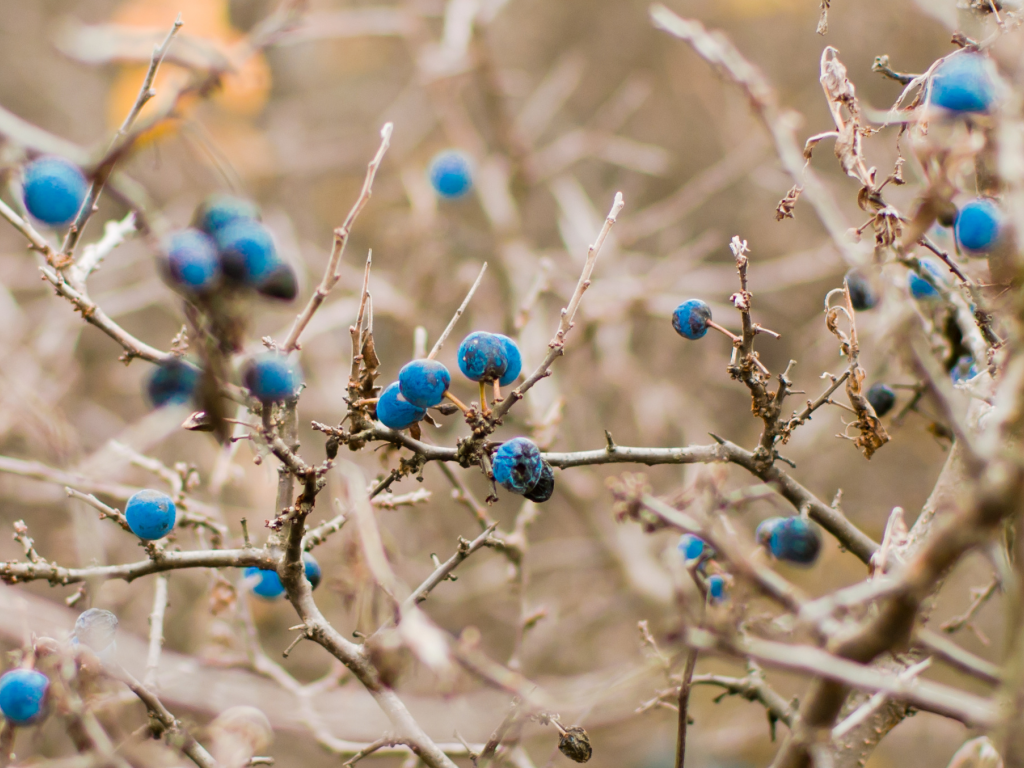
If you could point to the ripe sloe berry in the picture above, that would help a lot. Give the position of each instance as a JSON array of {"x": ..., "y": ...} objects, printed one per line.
[
  {"x": 189, "y": 261},
  {"x": 394, "y": 411},
  {"x": 23, "y": 696},
  {"x": 964, "y": 83},
  {"x": 280, "y": 283},
  {"x": 172, "y": 381},
  {"x": 247, "y": 252},
  {"x": 54, "y": 190},
  {"x": 763, "y": 534},
  {"x": 861, "y": 294},
  {"x": 978, "y": 226},
  {"x": 881, "y": 397},
  {"x": 920, "y": 288},
  {"x": 691, "y": 319},
  {"x": 795, "y": 540},
  {"x": 312, "y": 570},
  {"x": 716, "y": 588},
  {"x": 964, "y": 369},
  {"x": 219, "y": 210},
  {"x": 544, "y": 487},
  {"x": 517, "y": 465},
  {"x": 270, "y": 377},
  {"x": 690, "y": 547},
  {"x": 424, "y": 382},
  {"x": 96, "y": 628},
  {"x": 268, "y": 586},
  {"x": 451, "y": 173},
  {"x": 150, "y": 514},
  {"x": 482, "y": 357},
  {"x": 514, "y": 360}
]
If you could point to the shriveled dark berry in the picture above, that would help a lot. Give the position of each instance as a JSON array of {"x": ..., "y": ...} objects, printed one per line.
[
  {"x": 881, "y": 397},
  {"x": 544, "y": 487},
  {"x": 575, "y": 744}
]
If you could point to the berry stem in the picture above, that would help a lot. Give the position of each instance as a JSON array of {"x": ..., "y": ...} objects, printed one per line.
[
  {"x": 483, "y": 399},
  {"x": 732, "y": 336},
  {"x": 458, "y": 403}
]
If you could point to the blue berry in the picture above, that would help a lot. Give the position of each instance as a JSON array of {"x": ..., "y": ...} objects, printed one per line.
[
  {"x": 247, "y": 252},
  {"x": 268, "y": 586},
  {"x": 172, "y": 381},
  {"x": 964, "y": 369},
  {"x": 514, "y": 360},
  {"x": 690, "y": 547},
  {"x": 691, "y": 319},
  {"x": 964, "y": 83},
  {"x": 280, "y": 283},
  {"x": 544, "y": 487},
  {"x": 517, "y": 465},
  {"x": 451, "y": 173},
  {"x": 312, "y": 570},
  {"x": 150, "y": 514},
  {"x": 190, "y": 262},
  {"x": 482, "y": 357},
  {"x": 763, "y": 534},
  {"x": 881, "y": 397},
  {"x": 978, "y": 226},
  {"x": 23, "y": 696},
  {"x": 424, "y": 382},
  {"x": 219, "y": 210},
  {"x": 796, "y": 540},
  {"x": 270, "y": 377},
  {"x": 716, "y": 588},
  {"x": 54, "y": 190},
  {"x": 96, "y": 628},
  {"x": 394, "y": 411},
  {"x": 861, "y": 295},
  {"x": 921, "y": 289}
]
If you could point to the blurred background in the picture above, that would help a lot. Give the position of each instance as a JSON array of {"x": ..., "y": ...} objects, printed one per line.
[{"x": 559, "y": 104}]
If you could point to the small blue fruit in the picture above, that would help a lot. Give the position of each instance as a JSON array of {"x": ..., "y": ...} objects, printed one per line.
[
  {"x": 763, "y": 533},
  {"x": 690, "y": 547},
  {"x": 280, "y": 283},
  {"x": 219, "y": 210},
  {"x": 424, "y": 382},
  {"x": 189, "y": 261},
  {"x": 247, "y": 252},
  {"x": 517, "y": 465},
  {"x": 796, "y": 540},
  {"x": 150, "y": 514},
  {"x": 964, "y": 83},
  {"x": 978, "y": 226},
  {"x": 964, "y": 369},
  {"x": 451, "y": 173},
  {"x": 96, "y": 628},
  {"x": 544, "y": 487},
  {"x": 691, "y": 319},
  {"x": 312, "y": 570},
  {"x": 716, "y": 588},
  {"x": 514, "y": 360},
  {"x": 269, "y": 585},
  {"x": 921, "y": 289},
  {"x": 482, "y": 357},
  {"x": 881, "y": 397},
  {"x": 862, "y": 297},
  {"x": 54, "y": 190},
  {"x": 23, "y": 695},
  {"x": 270, "y": 377},
  {"x": 172, "y": 381},
  {"x": 394, "y": 411}
]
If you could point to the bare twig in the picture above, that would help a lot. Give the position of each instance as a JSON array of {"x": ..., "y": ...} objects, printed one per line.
[
  {"x": 156, "y": 632},
  {"x": 458, "y": 313}
]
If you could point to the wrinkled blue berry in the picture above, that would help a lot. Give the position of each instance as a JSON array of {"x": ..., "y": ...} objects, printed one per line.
[
  {"x": 247, "y": 252},
  {"x": 219, "y": 210},
  {"x": 150, "y": 514},
  {"x": 270, "y": 377},
  {"x": 544, "y": 487},
  {"x": 268, "y": 585},
  {"x": 424, "y": 382},
  {"x": 482, "y": 357},
  {"x": 862, "y": 297},
  {"x": 964, "y": 83},
  {"x": 964, "y": 369},
  {"x": 23, "y": 696},
  {"x": 451, "y": 173},
  {"x": 172, "y": 381},
  {"x": 517, "y": 465},
  {"x": 691, "y": 319},
  {"x": 921, "y": 289},
  {"x": 763, "y": 533},
  {"x": 514, "y": 360},
  {"x": 881, "y": 397},
  {"x": 978, "y": 226},
  {"x": 716, "y": 588},
  {"x": 690, "y": 547},
  {"x": 394, "y": 411},
  {"x": 96, "y": 628},
  {"x": 189, "y": 262},
  {"x": 795, "y": 540},
  {"x": 54, "y": 190}
]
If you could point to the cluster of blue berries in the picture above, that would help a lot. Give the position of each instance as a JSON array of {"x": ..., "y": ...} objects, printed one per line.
[
  {"x": 23, "y": 697},
  {"x": 792, "y": 539},
  {"x": 451, "y": 174},
  {"x": 54, "y": 190},
  {"x": 267, "y": 584},
  {"x": 150, "y": 514},
  {"x": 519, "y": 467},
  {"x": 700, "y": 556},
  {"x": 226, "y": 246}
]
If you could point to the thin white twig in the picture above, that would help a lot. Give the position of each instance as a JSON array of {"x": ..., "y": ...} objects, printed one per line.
[
  {"x": 458, "y": 313},
  {"x": 156, "y": 632}
]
